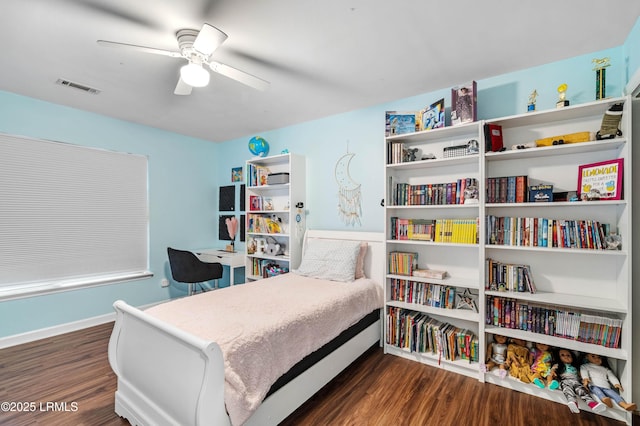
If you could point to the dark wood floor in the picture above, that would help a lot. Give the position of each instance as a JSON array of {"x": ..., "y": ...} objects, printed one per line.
[{"x": 72, "y": 370}]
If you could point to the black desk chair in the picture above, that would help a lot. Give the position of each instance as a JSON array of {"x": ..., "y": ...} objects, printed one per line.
[{"x": 187, "y": 268}]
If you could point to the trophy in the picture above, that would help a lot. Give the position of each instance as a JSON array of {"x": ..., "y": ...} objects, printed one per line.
[
  {"x": 562, "y": 96},
  {"x": 531, "y": 106},
  {"x": 599, "y": 68}
]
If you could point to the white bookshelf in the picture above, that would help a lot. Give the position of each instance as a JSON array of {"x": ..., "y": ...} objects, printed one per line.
[
  {"x": 278, "y": 202},
  {"x": 461, "y": 261},
  {"x": 581, "y": 280}
]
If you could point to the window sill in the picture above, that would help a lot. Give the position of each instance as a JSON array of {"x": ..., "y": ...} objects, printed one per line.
[{"x": 19, "y": 291}]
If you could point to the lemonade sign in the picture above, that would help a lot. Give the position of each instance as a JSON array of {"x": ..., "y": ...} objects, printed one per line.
[{"x": 601, "y": 180}]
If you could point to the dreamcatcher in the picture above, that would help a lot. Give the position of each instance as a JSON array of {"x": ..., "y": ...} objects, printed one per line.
[{"x": 349, "y": 193}]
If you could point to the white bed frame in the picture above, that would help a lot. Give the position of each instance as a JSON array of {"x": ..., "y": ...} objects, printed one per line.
[{"x": 169, "y": 377}]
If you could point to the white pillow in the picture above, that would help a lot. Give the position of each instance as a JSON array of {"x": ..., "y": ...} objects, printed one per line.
[
  {"x": 332, "y": 260},
  {"x": 360, "y": 262}
]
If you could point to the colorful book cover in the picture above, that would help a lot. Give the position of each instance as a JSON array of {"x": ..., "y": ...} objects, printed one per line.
[
  {"x": 433, "y": 117},
  {"x": 399, "y": 123}
]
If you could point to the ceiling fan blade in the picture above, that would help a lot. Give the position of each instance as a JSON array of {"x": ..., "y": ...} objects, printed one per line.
[
  {"x": 182, "y": 88},
  {"x": 241, "y": 76},
  {"x": 208, "y": 39},
  {"x": 140, "y": 48}
]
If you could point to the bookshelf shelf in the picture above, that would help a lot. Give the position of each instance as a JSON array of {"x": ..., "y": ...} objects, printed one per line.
[
  {"x": 437, "y": 206},
  {"x": 550, "y": 395},
  {"x": 557, "y": 204},
  {"x": 441, "y": 162},
  {"x": 559, "y": 342},
  {"x": 573, "y": 300},
  {"x": 459, "y": 366},
  {"x": 281, "y": 199},
  {"x": 559, "y": 250},
  {"x": 430, "y": 243},
  {"x": 462, "y": 314},
  {"x": 588, "y": 281},
  {"x": 449, "y": 281},
  {"x": 547, "y": 151}
]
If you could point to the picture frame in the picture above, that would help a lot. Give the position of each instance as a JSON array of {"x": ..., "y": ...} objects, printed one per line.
[
  {"x": 433, "y": 116},
  {"x": 399, "y": 123},
  {"x": 601, "y": 180},
  {"x": 236, "y": 174}
]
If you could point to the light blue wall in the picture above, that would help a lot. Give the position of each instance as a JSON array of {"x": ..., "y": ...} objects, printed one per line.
[
  {"x": 184, "y": 173},
  {"x": 324, "y": 141},
  {"x": 182, "y": 191}
]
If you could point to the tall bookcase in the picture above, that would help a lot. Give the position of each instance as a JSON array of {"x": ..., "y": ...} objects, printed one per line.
[
  {"x": 572, "y": 280},
  {"x": 275, "y": 220}
]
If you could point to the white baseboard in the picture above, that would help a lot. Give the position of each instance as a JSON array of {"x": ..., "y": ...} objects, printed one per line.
[
  {"x": 30, "y": 336},
  {"x": 43, "y": 333}
]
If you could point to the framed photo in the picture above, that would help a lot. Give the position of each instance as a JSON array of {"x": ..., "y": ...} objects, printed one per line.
[
  {"x": 236, "y": 174},
  {"x": 398, "y": 123},
  {"x": 433, "y": 117},
  {"x": 601, "y": 181}
]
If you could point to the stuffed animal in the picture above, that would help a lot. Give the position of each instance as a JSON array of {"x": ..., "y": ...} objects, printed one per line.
[
  {"x": 541, "y": 363},
  {"x": 598, "y": 377},
  {"x": 497, "y": 355},
  {"x": 518, "y": 360},
  {"x": 566, "y": 370}
]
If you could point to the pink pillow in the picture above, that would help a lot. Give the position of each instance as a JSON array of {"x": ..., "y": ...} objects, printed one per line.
[{"x": 360, "y": 260}]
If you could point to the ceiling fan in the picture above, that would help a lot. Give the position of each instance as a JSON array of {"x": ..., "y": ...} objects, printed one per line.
[{"x": 197, "y": 47}]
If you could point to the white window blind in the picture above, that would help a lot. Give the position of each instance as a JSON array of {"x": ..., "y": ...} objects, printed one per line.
[{"x": 70, "y": 216}]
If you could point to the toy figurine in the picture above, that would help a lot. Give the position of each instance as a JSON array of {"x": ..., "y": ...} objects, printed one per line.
[
  {"x": 562, "y": 96},
  {"x": 541, "y": 363},
  {"x": 566, "y": 370},
  {"x": 518, "y": 360},
  {"x": 497, "y": 355},
  {"x": 598, "y": 377},
  {"x": 531, "y": 106}
]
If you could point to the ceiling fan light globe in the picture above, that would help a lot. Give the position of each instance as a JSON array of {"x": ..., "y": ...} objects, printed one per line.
[{"x": 194, "y": 75}]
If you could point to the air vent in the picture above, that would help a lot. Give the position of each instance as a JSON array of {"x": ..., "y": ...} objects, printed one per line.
[{"x": 79, "y": 86}]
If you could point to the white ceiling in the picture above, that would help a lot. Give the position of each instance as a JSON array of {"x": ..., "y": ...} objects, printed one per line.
[{"x": 322, "y": 57}]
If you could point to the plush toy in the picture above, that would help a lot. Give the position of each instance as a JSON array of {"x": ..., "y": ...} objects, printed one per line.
[
  {"x": 566, "y": 370},
  {"x": 497, "y": 355},
  {"x": 518, "y": 360},
  {"x": 541, "y": 363},
  {"x": 598, "y": 377}
]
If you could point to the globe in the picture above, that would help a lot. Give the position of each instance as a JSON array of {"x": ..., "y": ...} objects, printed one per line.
[{"x": 258, "y": 146}]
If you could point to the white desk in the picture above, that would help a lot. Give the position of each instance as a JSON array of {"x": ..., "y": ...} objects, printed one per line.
[{"x": 232, "y": 260}]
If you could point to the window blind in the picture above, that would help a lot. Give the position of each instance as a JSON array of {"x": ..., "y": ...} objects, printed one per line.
[{"x": 70, "y": 216}]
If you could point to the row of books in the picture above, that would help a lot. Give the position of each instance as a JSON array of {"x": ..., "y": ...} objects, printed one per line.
[
  {"x": 463, "y": 231},
  {"x": 402, "y": 263},
  {"x": 433, "y": 295},
  {"x": 396, "y": 152},
  {"x": 507, "y": 189},
  {"x": 257, "y": 175},
  {"x": 412, "y": 229},
  {"x": 266, "y": 268},
  {"x": 545, "y": 232},
  {"x": 264, "y": 224},
  {"x": 508, "y": 277},
  {"x": 584, "y": 327},
  {"x": 257, "y": 202},
  {"x": 428, "y": 194},
  {"x": 418, "y": 332}
]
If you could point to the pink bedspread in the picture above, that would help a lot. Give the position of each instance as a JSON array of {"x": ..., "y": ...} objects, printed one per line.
[{"x": 265, "y": 327}]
